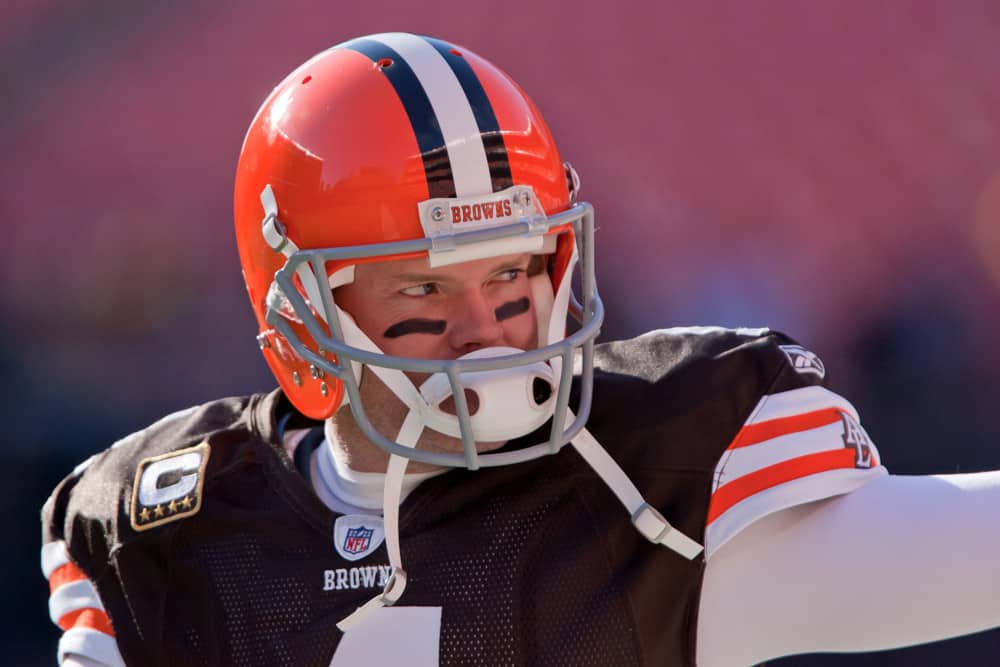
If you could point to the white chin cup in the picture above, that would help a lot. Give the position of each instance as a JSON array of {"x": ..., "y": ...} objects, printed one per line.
[{"x": 505, "y": 405}]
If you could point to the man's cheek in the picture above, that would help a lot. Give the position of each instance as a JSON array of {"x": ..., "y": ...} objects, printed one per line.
[{"x": 522, "y": 332}]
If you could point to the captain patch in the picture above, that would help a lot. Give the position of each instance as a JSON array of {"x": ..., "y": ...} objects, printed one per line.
[{"x": 168, "y": 487}]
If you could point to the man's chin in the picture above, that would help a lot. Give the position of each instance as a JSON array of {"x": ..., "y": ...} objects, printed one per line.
[
  {"x": 455, "y": 447},
  {"x": 432, "y": 441}
]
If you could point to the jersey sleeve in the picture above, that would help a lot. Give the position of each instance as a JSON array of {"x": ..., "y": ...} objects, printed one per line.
[
  {"x": 801, "y": 442},
  {"x": 106, "y": 577},
  {"x": 75, "y": 606}
]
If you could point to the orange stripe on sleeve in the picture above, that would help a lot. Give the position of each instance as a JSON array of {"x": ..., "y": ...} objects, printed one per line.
[
  {"x": 751, "y": 434},
  {"x": 743, "y": 487},
  {"x": 95, "y": 619},
  {"x": 65, "y": 574}
]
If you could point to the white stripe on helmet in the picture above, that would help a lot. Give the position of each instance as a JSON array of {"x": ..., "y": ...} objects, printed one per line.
[{"x": 469, "y": 166}]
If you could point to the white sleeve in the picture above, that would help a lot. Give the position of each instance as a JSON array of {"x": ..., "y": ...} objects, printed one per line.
[
  {"x": 843, "y": 574},
  {"x": 73, "y": 660},
  {"x": 797, "y": 446}
]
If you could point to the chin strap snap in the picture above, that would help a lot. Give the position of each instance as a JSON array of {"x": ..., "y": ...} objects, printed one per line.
[
  {"x": 390, "y": 595},
  {"x": 649, "y": 522},
  {"x": 658, "y": 530}
]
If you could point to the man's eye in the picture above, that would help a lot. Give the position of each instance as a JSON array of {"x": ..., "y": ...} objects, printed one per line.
[
  {"x": 423, "y": 289},
  {"x": 508, "y": 275}
]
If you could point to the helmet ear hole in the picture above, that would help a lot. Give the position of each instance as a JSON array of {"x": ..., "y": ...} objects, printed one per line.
[
  {"x": 314, "y": 392},
  {"x": 447, "y": 406}
]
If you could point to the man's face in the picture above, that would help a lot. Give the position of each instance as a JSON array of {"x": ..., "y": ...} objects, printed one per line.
[{"x": 411, "y": 310}]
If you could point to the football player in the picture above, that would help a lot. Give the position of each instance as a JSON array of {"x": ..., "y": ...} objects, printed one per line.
[{"x": 451, "y": 471}]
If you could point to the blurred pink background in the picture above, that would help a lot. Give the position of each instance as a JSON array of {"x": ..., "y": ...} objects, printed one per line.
[{"x": 829, "y": 169}]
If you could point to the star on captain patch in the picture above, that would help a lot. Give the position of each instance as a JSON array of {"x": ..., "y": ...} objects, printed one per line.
[{"x": 168, "y": 487}]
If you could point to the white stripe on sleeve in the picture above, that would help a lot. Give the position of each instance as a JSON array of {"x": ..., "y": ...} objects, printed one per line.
[
  {"x": 797, "y": 402},
  {"x": 745, "y": 460},
  {"x": 93, "y": 645},
  {"x": 54, "y": 556}
]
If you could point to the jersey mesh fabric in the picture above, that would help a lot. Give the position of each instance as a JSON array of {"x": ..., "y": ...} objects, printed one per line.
[
  {"x": 496, "y": 612},
  {"x": 266, "y": 621},
  {"x": 604, "y": 630}
]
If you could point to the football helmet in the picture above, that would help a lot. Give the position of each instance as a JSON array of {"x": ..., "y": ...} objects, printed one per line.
[{"x": 401, "y": 146}]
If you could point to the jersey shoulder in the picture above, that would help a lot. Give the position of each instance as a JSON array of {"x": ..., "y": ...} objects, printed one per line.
[
  {"x": 766, "y": 421},
  {"x": 745, "y": 412},
  {"x": 755, "y": 355},
  {"x": 149, "y": 467},
  {"x": 692, "y": 388}
]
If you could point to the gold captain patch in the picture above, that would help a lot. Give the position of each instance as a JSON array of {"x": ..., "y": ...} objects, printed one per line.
[{"x": 168, "y": 487}]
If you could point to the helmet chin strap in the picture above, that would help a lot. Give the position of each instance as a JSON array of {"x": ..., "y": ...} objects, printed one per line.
[
  {"x": 646, "y": 519},
  {"x": 392, "y": 491}
]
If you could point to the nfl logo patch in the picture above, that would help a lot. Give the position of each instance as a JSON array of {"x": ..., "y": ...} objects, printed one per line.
[
  {"x": 357, "y": 535},
  {"x": 357, "y": 539}
]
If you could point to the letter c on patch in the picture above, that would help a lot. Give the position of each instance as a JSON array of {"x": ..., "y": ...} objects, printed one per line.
[{"x": 169, "y": 479}]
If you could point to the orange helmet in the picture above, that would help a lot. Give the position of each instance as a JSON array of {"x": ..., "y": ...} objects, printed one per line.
[{"x": 399, "y": 146}]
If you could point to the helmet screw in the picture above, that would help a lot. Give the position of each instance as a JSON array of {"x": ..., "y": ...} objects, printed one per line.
[
  {"x": 315, "y": 372},
  {"x": 296, "y": 378},
  {"x": 323, "y": 389},
  {"x": 437, "y": 214},
  {"x": 263, "y": 342}
]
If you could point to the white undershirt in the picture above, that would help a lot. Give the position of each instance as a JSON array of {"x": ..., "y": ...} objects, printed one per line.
[{"x": 348, "y": 491}]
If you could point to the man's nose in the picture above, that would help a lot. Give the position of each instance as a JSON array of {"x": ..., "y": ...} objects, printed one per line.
[{"x": 475, "y": 323}]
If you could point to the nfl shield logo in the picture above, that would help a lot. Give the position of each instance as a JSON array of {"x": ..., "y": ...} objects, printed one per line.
[
  {"x": 355, "y": 536},
  {"x": 357, "y": 539}
]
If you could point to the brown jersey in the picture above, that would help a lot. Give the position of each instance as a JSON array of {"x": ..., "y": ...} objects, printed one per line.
[{"x": 206, "y": 546}]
